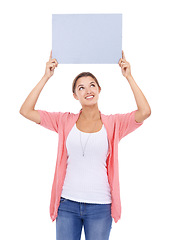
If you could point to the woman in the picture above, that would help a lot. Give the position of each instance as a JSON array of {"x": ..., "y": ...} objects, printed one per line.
[{"x": 85, "y": 189}]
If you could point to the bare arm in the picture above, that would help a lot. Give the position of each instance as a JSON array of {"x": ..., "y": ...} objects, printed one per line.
[
  {"x": 144, "y": 110},
  {"x": 27, "y": 108}
]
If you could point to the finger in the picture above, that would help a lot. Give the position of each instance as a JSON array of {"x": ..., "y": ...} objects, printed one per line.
[
  {"x": 124, "y": 66},
  {"x": 51, "y": 65},
  {"x": 50, "y": 55},
  {"x": 122, "y": 62},
  {"x": 53, "y": 61},
  {"x": 123, "y": 56}
]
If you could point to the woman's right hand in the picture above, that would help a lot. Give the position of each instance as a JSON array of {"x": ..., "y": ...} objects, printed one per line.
[{"x": 50, "y": 66}]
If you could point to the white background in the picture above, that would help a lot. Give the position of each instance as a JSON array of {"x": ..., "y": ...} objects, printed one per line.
[{"x": 28, "y": 151}]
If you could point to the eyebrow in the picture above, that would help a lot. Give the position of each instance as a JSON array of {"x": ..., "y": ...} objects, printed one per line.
[{"x": 82, "y": 84}]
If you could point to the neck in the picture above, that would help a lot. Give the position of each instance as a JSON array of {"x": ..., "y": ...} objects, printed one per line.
[{"x": 90, "y": 113}]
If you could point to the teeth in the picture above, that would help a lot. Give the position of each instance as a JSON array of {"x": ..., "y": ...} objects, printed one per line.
[{"x": 89, "y": 97}]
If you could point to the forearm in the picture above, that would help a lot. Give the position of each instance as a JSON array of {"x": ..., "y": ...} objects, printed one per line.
[
  {"x": 141, "y": 101},
  {"x": 32, "y": 98}
]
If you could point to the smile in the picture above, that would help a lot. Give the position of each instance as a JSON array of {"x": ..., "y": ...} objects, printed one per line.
[{"x": 89, "y": 97}]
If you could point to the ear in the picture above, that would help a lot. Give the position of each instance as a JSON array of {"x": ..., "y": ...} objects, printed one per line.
[
  {"x": 99, "y": 89},
  {"x": 75, "y": 96}
]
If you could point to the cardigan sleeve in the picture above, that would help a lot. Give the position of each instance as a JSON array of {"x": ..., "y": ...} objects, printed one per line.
[
  {"x": 127, "y": 123},
  {"x": 50, "y": 120}
]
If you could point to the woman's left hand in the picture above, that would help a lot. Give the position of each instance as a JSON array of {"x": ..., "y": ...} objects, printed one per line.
[{"x": 125, "y": 66}]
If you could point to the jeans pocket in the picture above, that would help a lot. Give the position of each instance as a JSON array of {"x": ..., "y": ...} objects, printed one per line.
[{"x": 62, "y": 200}]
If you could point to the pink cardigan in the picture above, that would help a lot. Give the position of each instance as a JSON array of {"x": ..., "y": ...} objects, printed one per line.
[{"x": 117, "y": 126}]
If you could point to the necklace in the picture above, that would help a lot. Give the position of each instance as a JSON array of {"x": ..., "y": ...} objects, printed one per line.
[{"x": 86, "y": 141}]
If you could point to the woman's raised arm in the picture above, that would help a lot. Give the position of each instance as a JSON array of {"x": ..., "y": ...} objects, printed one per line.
[{"x": 27, "y": 108}]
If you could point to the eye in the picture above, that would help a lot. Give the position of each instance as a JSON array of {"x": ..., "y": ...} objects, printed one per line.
[
  {"x": 80, "y": 88},
  {"x": 90, "y": 85}
]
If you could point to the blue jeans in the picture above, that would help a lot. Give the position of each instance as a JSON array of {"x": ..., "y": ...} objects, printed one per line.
[{"x": 72, "y": 215}]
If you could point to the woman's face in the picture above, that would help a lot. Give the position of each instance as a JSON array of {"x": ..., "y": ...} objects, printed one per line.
[{"x": 86, "y": 86}]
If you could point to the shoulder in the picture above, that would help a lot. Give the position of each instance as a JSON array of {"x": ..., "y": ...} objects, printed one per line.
[
  {"x": 68, "y": 115},
  {"x": 109, "y": 117}
]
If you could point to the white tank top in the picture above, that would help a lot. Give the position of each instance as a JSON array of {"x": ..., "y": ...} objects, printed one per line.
[{"x": 86, "y": 177}]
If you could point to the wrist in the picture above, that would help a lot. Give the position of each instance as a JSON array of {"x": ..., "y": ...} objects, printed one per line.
[
  {"x": 129, "y": 78},
  {"x": 45, "y": 78}
]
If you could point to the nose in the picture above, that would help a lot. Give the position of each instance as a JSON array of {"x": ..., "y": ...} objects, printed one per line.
[{"x": 88, "y": 91}]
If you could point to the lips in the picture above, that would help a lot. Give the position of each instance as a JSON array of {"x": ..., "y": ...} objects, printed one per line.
[{"x": 89, "y": 96}]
